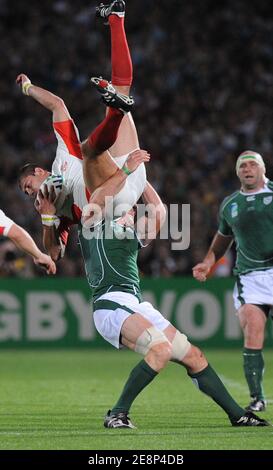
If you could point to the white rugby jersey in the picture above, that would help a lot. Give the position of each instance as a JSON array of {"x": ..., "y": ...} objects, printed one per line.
[
  {"x": 68, "y": 163},
  {"x": 5, "y": 224}
]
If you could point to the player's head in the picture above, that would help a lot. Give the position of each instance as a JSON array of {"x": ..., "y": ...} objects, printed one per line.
[
  {"x": 31, "y": 177},
  {"x": 250, "y": 169}
]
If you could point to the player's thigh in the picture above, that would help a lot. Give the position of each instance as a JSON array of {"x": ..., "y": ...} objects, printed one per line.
[
  {"x": 132, "y": 329},
  {"x": 170, "y": 332},
  {"x": 98, "y": 170},
  {"x": 252, "y": 315},
  {"x": 127, "y": 139}
]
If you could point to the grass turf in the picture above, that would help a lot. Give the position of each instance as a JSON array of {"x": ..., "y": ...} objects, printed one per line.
[{"x": 57, "y": 400}]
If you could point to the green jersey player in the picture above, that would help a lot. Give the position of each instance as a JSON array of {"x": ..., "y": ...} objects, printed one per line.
[
  {"x": 110, "y": 248},
  {"x": 246, "y": 217}
]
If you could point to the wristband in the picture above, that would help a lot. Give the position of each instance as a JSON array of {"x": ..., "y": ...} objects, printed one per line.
[
  {"x": 26, "y": 86},
  {"x": 49, "y": 219},
  {"x": 126, "y": 170}
]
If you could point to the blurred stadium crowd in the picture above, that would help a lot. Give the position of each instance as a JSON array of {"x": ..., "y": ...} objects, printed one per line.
[{"x": 203, "y": 84}]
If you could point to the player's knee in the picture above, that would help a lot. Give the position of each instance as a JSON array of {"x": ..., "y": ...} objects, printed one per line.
[
  {"x": 180, "y": 346},
  {"x": 162, "y": 353},
  {"x": 153, "y": 341},
  {"x": 194, "y": 360}
]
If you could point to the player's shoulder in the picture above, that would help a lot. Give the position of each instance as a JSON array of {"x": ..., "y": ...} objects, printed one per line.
[
  {"x": 269, "y": 184},
  {"x": 231, "y": 198}
]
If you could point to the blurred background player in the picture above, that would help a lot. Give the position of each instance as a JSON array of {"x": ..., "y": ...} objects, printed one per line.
[
  {"x": 246, "y": 217},
  {"x": 23, "y": 240}
]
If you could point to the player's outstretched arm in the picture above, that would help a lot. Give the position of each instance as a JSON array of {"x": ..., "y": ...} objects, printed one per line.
[
  {"x": 218, "y": 248},
  {"x": 25, "y": 242},
  {"x": 47, "y": 99}
]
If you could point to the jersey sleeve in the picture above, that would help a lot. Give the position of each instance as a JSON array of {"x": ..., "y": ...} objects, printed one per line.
[
  {"x": 5, "y": 224},
  {"x": 68, "y": 138},
  {"x": 68, "y": 160}
]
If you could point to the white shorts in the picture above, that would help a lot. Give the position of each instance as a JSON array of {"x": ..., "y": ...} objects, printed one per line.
[
  {"x": 254, "y": 288},
  {"x": 132, "y": 190},
  {"x": 119, "y": 306}
]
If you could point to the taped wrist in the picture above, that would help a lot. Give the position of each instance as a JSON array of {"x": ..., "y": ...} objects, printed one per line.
[
  {"x": 49, "y": 220},
  {"x": 126, "y": 170},
  {"x": 26, "y": 86}
]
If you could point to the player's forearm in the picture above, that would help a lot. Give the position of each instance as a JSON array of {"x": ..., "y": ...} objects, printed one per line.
[
  {"x": 24, "y": 241},
  {"x": 51, "y": 242},
  {"x": 210, "y": 258},
  {"x": 110, "y": 188},
  {"x": 45, "y": 97},
  {"x": 218, "y": 248}
]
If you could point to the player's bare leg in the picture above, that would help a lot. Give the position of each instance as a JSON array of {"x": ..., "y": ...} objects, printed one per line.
[{"x": 98, "y": 166}]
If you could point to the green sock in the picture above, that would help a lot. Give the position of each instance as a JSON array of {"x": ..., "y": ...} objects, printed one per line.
[
  {"x": 209, "y": 383},
  {"x": 254, "y": 370},
  {"x": 138, "y": 379}
]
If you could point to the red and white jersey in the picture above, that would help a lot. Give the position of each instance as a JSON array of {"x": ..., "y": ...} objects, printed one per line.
[
  {"x": 68, "y": 163},
  {"x": 5, "y": 224}
]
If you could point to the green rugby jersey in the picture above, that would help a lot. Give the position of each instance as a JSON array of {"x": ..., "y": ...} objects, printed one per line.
[
  {"x": 110, "y": 264},
  {"x": 248, "y": 218}
]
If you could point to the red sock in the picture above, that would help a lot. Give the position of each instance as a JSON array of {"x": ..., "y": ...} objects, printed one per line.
[
  {"x": 104, "y": 136},
  {"x": 122, "y": 68}
]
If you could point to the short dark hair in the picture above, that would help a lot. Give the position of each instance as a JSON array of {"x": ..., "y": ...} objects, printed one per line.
[{"x": 25, "y": 170}]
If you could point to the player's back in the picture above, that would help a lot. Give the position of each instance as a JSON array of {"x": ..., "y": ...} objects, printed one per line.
[{"x": 110, "y": 253}]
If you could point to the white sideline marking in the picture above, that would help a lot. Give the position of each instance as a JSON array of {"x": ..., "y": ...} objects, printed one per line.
[
  {"x": 232, "y": 383},
  {"x": 242, "y": 388}
]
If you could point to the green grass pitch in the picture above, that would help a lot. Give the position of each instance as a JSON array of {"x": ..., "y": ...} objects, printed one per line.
[{"x": 57, "y": 400}]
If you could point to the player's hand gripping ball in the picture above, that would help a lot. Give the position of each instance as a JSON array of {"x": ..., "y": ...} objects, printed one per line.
[{"x": 55, "y": 181}]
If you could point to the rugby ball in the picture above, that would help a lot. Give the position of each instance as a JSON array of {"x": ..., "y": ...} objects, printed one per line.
[{"x": 58, "y": 183}]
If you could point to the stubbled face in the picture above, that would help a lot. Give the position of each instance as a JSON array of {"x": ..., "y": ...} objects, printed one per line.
[
  {"x": 30, "y": 184},
  {"x": 251, "y": 175}
]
